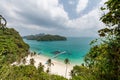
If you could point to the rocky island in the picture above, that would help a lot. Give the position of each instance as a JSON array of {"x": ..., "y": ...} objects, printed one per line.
[{"x": 45, "y": 37}]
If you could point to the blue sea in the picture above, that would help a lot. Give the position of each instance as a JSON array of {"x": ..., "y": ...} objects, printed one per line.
[{"x": 74, "y": 49}]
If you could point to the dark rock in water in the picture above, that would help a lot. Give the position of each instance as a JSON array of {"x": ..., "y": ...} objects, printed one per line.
[{"x": 56, "y": 52}]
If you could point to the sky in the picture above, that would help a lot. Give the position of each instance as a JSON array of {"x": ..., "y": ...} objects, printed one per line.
[{"x": 71, "y": 18}]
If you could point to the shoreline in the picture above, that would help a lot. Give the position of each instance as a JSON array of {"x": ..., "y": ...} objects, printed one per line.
[
  {"x": 77, "y": 62},
  {"x": 58, "y": 68}
]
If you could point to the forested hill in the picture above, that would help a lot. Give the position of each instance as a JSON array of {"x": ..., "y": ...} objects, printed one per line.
[
  {"x": 12, "y": 46},
  {"x": 45, "y": 37}
]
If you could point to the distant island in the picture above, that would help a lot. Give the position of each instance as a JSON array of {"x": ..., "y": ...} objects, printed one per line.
[{"x": 45, "y": 37}]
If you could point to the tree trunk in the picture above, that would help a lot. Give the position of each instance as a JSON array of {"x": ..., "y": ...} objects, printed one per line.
[{"x": 66, "y": 70}]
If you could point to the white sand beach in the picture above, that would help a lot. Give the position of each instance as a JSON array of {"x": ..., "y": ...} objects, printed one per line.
[{"x": 58, "y": 67}]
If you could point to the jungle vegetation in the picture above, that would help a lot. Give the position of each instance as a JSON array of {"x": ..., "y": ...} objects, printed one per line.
[
  {"x": 45, "y": 37},
  {"x": 102, "y": 62}
]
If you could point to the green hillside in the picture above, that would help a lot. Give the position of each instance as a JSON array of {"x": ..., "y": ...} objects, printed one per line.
[{"x": 12, "y": 47}]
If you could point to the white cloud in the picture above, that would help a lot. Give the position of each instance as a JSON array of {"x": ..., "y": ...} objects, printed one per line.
[
  {"x": 49, "y": 16},
  {"x": 88, "y": 24},
  {"x": 82, "y": 4},
  {"x": 35, "y": 11},
  {"x": 89, "y": 20},
  {"x": 52, "y": 7}
]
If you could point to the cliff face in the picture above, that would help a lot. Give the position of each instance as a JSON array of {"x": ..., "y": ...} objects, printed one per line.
[{"x": 12, "y": 46}]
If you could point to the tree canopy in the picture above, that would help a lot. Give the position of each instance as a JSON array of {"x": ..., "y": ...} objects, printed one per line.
[
  {"x": 103, "y": 60},
  {"x": 101, "y": 63}
]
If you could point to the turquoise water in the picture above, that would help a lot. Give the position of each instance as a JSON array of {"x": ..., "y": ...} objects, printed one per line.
[{"x": 75, "y": 48}]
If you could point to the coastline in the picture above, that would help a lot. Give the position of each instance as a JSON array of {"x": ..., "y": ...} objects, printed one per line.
[
  {"x": 58, "y": 67},
  {"x": 75, "y": 50},
  {"x": 72, "y": 62}
]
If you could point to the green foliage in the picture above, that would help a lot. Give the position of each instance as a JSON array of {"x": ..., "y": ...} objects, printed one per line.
[
  {"x": 24, "y": 60},
  {"x": 40, "y": 68},
  {"x": 103, "y": 60},
  {"x": 113, "y": 15},
  {"x": 81, "y": 73},
  {"x": 12, "y": 47},
  {"x": 28, "y": 72},
  {"x": 32, "y": 61},
  {"x": 66, "y": 61},
  {"x": 101, "y": 63},
  {"x": 56, "y": 77},
  {"x": 49, "y": 64}
]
